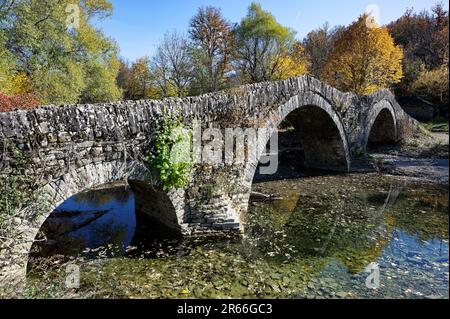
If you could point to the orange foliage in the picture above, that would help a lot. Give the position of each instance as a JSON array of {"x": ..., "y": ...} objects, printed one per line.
[{"x": 21, "y": 101}]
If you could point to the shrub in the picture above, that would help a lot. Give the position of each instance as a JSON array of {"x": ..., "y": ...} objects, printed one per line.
[
  {"x": 433, "y": 85},
  {"x": 171, "y": 155},
  {"x": 21, "y": 101}
]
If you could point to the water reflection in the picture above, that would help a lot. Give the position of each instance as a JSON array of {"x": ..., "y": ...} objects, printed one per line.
[
  {"x": 98, "y": 218},
  {"x": 350, "y": 223},
  {"x": 314, "y": 242}
]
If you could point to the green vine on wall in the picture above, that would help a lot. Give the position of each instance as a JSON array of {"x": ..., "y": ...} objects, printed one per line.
[
  {"x": 16, "y": 189},
  {"x": 171, "y": 155},
  {"x": 14, "y": 185}
]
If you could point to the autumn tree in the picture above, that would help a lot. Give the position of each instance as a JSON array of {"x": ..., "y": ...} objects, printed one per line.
[
  {"x": 61, "y": 64},
  {"x": 123, "y": 78},
  {"x": 293, "y": 63},
  {"x": 212, "y": 49},
  {"x": 172, "y": 66},
  {"x": 140, "y": 79},
  {"x": 424, "y": 37},
  {"x": 364, "y": 59},
  {"x": 7, "y": 69},
  {"x": 318, "y": 45},
  {"x": 433, "y": 85},
  {"x": 261, "y": 44}
]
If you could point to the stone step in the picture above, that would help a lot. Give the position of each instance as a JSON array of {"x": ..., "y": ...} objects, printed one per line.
[
  {"x": 218, "y": 215},
  {"x": 214, "y": 220},
  {"x": 211, "y": 208},
  {"x": 226, "y": 226}
]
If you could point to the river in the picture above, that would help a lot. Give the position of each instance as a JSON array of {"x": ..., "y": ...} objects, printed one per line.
[{"x": 328, "y": 236}]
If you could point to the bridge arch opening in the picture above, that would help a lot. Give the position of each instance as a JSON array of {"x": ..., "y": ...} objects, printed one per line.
[
  {"x": 309, "y": 137},
  {"x": 110, "y": 220},
  {"x": 383, "y": 131},
  {"x": 315, "y": 132},
  {"x": 311, "y": 141}
]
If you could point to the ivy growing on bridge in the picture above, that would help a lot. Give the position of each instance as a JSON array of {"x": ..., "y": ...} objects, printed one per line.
[
  {"x": 171, "y": 156},
  {"x": 15, "y": 186},
  {"x": 16, "y": 195}
]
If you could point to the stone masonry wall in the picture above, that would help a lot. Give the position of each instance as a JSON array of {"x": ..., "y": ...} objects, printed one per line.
[{"x": 74, "y": 148}]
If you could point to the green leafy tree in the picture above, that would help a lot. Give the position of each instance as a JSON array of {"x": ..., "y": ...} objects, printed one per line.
[
  {"x": 101, "y": 85},
  {"x": 63, "y": 84},
  {"x": 7, "y": 66},
  {"x": 261, "y": 43},
  {"x": 61, "y": 63}
]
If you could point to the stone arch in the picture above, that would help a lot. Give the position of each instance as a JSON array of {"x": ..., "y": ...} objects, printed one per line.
[
  {"x": 156, "y": 210},
  {"x": 381, "y": 125},
  {"x": 276, "y": 117},
  {"x": 305, "y": 102},
  {"x": 53, "y": 194}
]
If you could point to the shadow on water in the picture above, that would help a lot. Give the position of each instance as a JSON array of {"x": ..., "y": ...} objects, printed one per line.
[
  {"x": 87, "y": 222},
  {"x": 102, "y": 223}
]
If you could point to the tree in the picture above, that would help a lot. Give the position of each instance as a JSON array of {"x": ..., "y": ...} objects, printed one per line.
[
  {"x": 123, "y": 78},
  {"x": 61, "y": 64},
  {"x": 261, "y": 43},
  {"x": 140, "y": 77},
  {"x": 20, "y": 100},
  {"x": 7, "y": 66},
  {"x": 292, "y": 64},
  {"x": 213, "y": 44},
  {"x": 319, "y": 45},
  {"x": 59, "y": 84},
  {"x": 172, "y": 66},
  {"x": 364, "y": 59},
  {"x": 424, "y": 37},
  {"x": 101, "y": 85},
  {"x": 432, "y": 85}
]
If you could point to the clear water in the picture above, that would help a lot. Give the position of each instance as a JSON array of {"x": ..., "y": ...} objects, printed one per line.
[
  {"x": 88, "y": 221},
  {"x": 316, "y": 241}
]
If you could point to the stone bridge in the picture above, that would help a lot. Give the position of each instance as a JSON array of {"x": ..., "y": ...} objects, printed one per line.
[{"x": 71, "y": 149}]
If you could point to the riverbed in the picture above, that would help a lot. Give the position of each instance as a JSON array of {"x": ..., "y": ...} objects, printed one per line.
[{"x": 328, "y": 236}]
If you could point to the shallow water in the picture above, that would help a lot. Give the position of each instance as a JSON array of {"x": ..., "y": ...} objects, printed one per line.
[{"x": 316, "y": 241}]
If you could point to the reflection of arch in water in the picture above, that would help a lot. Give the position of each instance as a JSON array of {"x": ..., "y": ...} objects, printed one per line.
[
  {"x": 50, "y": 196},
  {"x": 100, "y": 220},
  {"x": 352, "y": 249}
]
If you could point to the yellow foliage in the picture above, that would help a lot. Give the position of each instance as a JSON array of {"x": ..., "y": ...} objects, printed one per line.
[
  {"x": 433, "y": 84},
  {"x": 20, "y": 84},
  {"x": 153, "y": 93},
  {"x": 292, "y": 64},
  {"x": 364, "y": 60},
  {"x": 16, "y": 84}
]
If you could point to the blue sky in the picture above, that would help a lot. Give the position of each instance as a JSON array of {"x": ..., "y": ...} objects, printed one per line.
[{"x": 138, "y": 25}]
